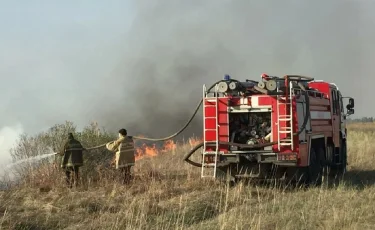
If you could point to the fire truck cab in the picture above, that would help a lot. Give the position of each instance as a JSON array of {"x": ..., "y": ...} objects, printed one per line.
[{"x": 290, "y": 127}]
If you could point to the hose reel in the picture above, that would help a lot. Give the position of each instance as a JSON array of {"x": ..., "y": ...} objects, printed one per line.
[
  {"x": 267, "y": 84},
  {"x": 271, "y": 85}
]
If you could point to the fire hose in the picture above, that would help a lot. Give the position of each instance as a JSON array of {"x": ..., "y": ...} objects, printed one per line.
[
  {"x": 307, "y": 116},
  {"x": 175, "y": 134},
  {"x": 192, "y": 151},
  {"x": 198, "y": 146}
]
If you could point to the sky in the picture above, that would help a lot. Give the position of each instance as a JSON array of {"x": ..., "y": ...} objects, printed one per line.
[
  {"x": 49, "y": 52},
  {"x": 55, "y": 54},
  {"x": 141, "y": 64}
]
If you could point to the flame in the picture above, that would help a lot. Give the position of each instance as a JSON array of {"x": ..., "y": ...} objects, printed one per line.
[
  {"x": 194, "y": 141},
  {"x": 151, "y": 151},
  {"x": 169, "y": 146}
]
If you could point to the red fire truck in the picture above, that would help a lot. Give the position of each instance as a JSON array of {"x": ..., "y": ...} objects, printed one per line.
[{"x": 290, "y": 127}]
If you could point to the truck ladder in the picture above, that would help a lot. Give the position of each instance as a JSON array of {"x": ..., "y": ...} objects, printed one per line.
[
  {"x": 214, "y": 100},
  {"x": 287, "y": 118}
]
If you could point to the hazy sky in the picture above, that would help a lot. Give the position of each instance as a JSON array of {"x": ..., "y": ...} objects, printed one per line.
[
  {"x": 141, "y": 64},
  {"x": 55, "y": 55}
]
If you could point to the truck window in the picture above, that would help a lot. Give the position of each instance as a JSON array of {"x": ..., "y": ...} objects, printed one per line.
[
  {"x": 337, "y": 102},
  {"x": 341, "y": 105},
  {"x": 334, "y": 101}
]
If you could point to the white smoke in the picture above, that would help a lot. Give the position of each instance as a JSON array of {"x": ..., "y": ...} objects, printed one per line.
[{"x": 8, "y": 138}]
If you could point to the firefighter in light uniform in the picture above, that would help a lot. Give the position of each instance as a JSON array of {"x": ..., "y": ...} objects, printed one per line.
[
  {"x": 267, "y": 131},
  {"x": 125, "y": 154},
  {"x": 72, "y": 159}
]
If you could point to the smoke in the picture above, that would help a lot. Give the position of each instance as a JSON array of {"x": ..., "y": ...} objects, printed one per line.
[
  {"x": 8, "y": 137},
  {"x": 149, "y": 78},
  {"x": 174, "y": 47}
]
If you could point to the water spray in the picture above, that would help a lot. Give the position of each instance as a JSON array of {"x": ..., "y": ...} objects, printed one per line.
[{"x": 30, "y": 159}]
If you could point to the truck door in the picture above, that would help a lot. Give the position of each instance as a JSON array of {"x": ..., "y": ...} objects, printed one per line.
[
  {"x": 336, "y": 115},
  {"x": 342, "y": 115}
]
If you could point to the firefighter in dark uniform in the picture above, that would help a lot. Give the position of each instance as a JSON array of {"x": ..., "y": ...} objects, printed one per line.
[
  {"x": 72, "y": 159},
  {"x": 125, "y": 154}
]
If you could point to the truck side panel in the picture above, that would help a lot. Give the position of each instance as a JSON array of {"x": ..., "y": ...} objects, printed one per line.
[
  {"x": 223, "y": 122},
  {"x": 321, "y": 119}
]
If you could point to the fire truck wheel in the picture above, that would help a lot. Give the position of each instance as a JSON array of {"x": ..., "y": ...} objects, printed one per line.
[
  {"x": 330, "y": 161},
  {"x": 343, "y": 150},
  {"x": 316, "y": 167}
]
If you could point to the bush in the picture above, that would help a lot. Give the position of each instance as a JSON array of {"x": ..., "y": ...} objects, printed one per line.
[{"x": 47, "y": 171}]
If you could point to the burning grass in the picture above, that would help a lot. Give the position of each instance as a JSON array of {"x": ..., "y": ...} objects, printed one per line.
[
  {"x": 152, "y": 151},
  {"x": 168, "y": 194}
]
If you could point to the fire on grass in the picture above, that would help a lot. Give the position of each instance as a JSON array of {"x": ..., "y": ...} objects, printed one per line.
[{"x": 169, "y": 145}]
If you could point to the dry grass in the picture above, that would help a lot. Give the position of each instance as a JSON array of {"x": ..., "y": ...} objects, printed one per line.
[{"x": 169, "y": 194}]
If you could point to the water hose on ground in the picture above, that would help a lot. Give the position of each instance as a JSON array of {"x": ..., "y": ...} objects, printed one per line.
[{"x": 188, "y": 155}]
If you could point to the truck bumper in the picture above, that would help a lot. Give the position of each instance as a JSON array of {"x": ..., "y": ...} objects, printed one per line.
[{"x": 261, "y": 157}]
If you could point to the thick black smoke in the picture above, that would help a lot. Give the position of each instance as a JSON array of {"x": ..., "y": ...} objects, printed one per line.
[{"x": 174, "y": 47}]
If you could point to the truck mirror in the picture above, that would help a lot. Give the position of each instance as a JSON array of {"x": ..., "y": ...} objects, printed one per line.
[
  {"x": 351, "y": 102},
  {"x": 350, "y": 112}
]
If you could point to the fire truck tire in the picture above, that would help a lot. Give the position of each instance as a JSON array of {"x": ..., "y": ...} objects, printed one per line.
[
  {"x": 343, "y": 151},
  {"x": 331, "y": 161},
  {"x": 316, "y": 167}
]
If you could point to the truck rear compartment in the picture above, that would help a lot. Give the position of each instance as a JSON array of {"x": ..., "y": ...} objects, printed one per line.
[
  {"x": 250, "y": 128},
  {"x": 244, "y": 136}
]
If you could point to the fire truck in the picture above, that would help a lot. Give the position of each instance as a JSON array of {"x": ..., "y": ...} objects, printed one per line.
[{"x": 290, "y": 127}]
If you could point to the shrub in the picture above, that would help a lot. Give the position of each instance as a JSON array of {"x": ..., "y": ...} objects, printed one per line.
[{"x": 48, "y": 170}]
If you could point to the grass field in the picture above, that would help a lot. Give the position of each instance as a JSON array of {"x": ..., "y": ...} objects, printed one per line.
[{"x": 169, "y": 194}]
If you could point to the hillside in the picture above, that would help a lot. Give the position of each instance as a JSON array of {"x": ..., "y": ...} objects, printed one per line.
[{"x": 169, "y": 194}]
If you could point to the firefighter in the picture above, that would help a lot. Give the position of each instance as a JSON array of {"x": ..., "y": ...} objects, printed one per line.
[
  {"x": 72, "y": 159},
  {"x": 268, "y": 137},
  {"x": 266, "y": 131},
  {"x": 125, "y": 157}
]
